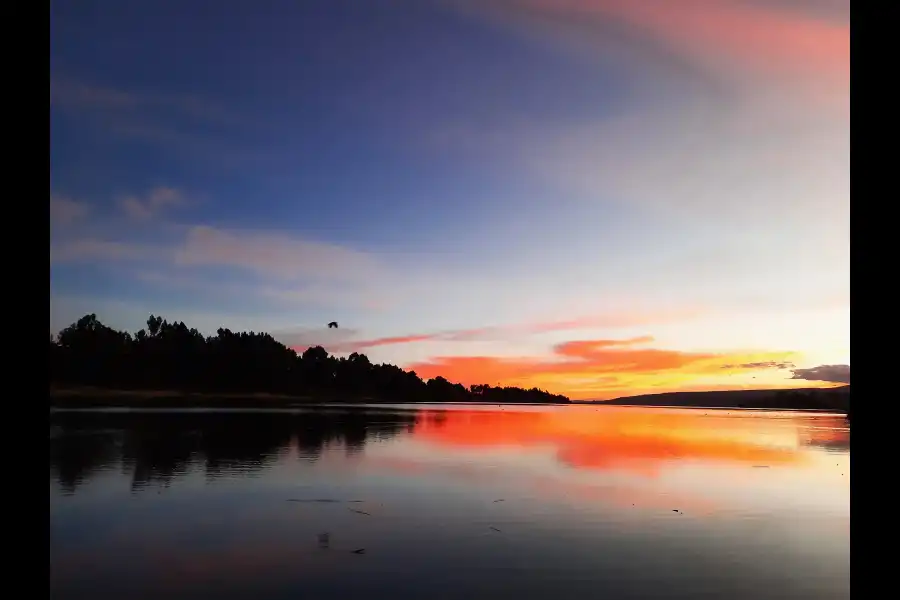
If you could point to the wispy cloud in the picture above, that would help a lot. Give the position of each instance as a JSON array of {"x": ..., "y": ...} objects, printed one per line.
[
  {"x": 830, "y": 373},
  {"x": 131, "y": 233},
  {"x": 183, "y": 123},
  {"x": 188, "y": 142},
  {"x": 282, "y": 257},
  {"x": 98, "y": 250},
  {"x": 277, "y": 268},
  {"x": 287, "y": 270},
  {"x": 735, "y": 41},
  {"x": 302, "y": 338},
  {"x": 274, "y": 254},
  {"x": 506, "y": 332},
  {"x": 769, "y": 364},
  {"x": 283, "y": 294},
  {"x": 66, "y": 92},
  {"x": 336, "y": 295},
  {"x": 151, "y": 204},
  {"x": 71, "y": 93},
  {"x": 64, "y": 211}
]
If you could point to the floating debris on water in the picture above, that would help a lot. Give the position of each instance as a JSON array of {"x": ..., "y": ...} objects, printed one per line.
[
  {"x": 359, "y": 551},
  {"x": 323, "y": 500},
  {"x": 362, "y": 512},
  {"x": 324, "y": 540},
  {"x": 500, "y": 500},
  {"x": 495, "y": 529}
]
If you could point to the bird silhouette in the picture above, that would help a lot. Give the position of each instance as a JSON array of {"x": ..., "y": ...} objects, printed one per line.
[{"x": 333, "y": 325}]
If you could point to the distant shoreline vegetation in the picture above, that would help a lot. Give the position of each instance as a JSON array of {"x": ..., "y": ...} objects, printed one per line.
[
  {"x": 816, "y": 399},
  {"x": 171, "y": 364}
]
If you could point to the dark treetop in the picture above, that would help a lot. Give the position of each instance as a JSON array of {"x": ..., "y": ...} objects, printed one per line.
[{"x": 170, "y": 356}]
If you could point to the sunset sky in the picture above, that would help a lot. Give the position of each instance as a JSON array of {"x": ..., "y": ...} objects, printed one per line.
[{"x": 597, "y": 197}]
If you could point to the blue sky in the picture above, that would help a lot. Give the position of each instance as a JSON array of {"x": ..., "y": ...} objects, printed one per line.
[{"x": 417, "y": 167}]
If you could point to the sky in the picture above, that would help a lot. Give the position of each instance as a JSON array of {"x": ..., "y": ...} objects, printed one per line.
[{"x": 596, "y": 197}]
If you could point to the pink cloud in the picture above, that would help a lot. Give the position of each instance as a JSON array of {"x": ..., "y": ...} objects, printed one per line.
[
  {"x": 502, "y": 332},
  {"x": 769, "y": 38}
]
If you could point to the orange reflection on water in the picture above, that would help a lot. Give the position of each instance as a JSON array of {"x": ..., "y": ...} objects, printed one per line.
[{"x": 637, "y": 439}]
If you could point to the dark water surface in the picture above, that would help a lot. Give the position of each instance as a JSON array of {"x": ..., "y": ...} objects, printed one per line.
[{"x": 450, "y": 502}]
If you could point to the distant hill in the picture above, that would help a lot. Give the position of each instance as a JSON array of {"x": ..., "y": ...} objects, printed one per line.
[{"x": 837, "y": 398}]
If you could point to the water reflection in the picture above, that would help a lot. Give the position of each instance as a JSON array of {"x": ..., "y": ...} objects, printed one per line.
[
  {"x": 450, "y": 502},
  {"x": 642, "y": 440},
  {"x": 156, "y": 447}
]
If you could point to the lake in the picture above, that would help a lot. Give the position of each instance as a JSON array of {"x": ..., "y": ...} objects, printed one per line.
[{"x": 415, "y": 502}]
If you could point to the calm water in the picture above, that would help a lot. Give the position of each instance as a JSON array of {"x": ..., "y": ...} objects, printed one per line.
[{"x": 450, "y": 502}]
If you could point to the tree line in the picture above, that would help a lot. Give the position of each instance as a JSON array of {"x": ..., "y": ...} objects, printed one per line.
[{"x": 171, "y": 356}]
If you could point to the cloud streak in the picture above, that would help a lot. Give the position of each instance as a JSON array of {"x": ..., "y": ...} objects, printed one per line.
[
  {"x": 277, "y": 255},
  {"x": 830, "y": 373},
  {"x": 281, "y": 256},
  {"x": 71, "y": 93},
  {"x": 770, "y": 364},
  {"x": 190, "y": 125},
  {"x": 290, "y": 269},
  {"x": 152, "y": 204},
  {"x": 506, "y": 332},
  {"x": 97, "y": 250},
  {"x": 300, "y": 339}
]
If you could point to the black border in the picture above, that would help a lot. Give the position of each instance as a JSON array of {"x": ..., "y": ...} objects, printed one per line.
[
  {"x": 45, "y": 217},
  {"x": 873, "y": 170}
]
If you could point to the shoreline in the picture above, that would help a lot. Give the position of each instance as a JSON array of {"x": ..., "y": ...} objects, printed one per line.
[
  {"x": 107, "y": 398},
  {"x": 104, "y": 398}
]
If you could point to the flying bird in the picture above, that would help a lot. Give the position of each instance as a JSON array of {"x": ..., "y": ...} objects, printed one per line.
[{"x": 332, "y": 325}]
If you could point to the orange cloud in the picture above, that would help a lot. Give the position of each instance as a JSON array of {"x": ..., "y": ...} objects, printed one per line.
[{"x": 603, "y": 369}]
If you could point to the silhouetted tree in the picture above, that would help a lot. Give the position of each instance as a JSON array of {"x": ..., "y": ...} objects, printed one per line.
[{"x": 171, "y": 356}]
